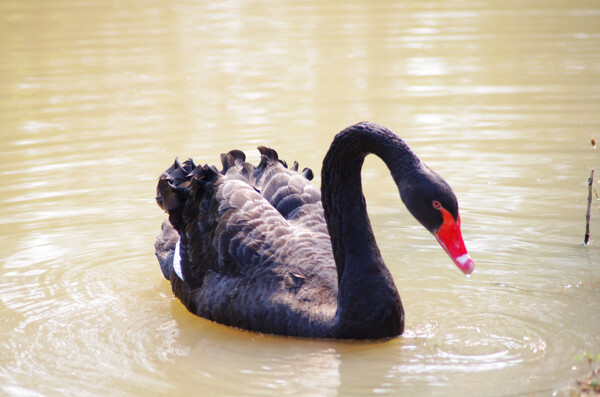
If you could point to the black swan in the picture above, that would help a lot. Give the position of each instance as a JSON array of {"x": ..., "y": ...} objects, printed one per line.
[{"x": 261, "y": 248}]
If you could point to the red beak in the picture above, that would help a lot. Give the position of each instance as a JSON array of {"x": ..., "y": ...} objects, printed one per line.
[{"x": 451, "y": 240}]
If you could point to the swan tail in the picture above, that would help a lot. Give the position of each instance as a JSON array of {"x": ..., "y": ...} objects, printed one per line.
[{"x": 186, "y": 191}]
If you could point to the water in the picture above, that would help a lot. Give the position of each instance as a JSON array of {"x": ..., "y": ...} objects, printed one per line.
[{"x": 97, "y": 98}]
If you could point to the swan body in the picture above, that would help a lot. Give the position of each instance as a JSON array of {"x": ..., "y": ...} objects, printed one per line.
[{"x": 261, "y": 248}]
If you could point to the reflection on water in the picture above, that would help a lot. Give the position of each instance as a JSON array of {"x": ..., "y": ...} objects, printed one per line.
[{"x": 96, "y": 100}]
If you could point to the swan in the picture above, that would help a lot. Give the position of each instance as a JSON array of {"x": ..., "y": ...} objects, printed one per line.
[{"x": 262, "y": 249}]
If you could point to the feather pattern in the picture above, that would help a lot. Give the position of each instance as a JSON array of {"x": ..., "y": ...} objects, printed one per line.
[{"x": 249, "y": 223}]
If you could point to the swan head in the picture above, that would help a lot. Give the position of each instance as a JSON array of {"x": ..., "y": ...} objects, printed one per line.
[{"x": 432, "y": 202}]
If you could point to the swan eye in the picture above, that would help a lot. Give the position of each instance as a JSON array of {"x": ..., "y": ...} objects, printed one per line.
[{"x": 436, "y": 204}]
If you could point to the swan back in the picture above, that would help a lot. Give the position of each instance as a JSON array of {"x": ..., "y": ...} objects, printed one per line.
[{"x": 253, "y": 243}]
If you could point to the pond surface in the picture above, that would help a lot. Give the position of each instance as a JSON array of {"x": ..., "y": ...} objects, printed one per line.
[{"x": 98, "y": 97}]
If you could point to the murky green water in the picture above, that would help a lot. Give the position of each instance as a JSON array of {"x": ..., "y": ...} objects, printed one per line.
[{"x": 97, "y": 98}]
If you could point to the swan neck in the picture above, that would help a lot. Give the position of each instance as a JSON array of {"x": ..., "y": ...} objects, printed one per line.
[
  {"x": 343, "y": 200},
  {"x": 359, "y": 263}
]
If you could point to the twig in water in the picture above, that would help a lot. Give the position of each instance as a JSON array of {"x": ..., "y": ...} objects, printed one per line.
[{"x": 586, "y": 239}]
